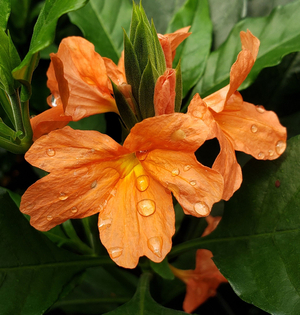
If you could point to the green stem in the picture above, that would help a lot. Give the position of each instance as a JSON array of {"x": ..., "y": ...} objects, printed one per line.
[
  {"x": 26, "y": 121},
  {"x": 4, "y": 100},
  {"x": 13, "y": 147},
  {"x": 6, "y": 131},
  {"x": 17, "y": 113}
]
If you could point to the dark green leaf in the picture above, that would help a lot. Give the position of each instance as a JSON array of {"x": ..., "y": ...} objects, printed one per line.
[
  {"x": 33, "y": 271},
  {"x": 194, "y": 51},
  {"x": 160, "y": 62},
  {"x": 146, "y": 91},
  {"x": 5, "y": 8},
  {"x": 256, "y": 244},
  {"x": 95, "y": 122},
  {"x": 178, "y": 88},
  {"x": 279, "y": 34},
  {"x": 135, "y": 19},
  {"x": 101, "y": 22},
  {"x": 163, "y": 269},
  {"x": 43, "y": 36},
  {"x": 142, "y": 303}
]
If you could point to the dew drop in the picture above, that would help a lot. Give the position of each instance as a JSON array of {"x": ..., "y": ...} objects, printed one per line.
[
  {"x": 49, "y": 217},
  {"x": 146, "y": 207},
  {"x": 94, "y": 184},
  {"x": 260, "y": 109},
  {"x": 141, "y": 155},
  {"x": 271, "y": 152},
  {"x": 254, "y": 128},
  {"x": 201, "y": 208},
  {"x": 115, "y": 252},
  {"x": 53, "y": 101},
  {"x": 104, "y": 223},
  {"x": 155, "y": 245},
  {"x": 50, "y": 152},
  {"x": 187, "y": 168},
  {"x": 197, "y": 114},
  {"x": 142, "y": 182},
  {"x": 74, "y": 210},
  {"x": 193, "y": 183},
  {"x": 280, "y": 146},
  {"x": 63, "y": 196},
  {"x": 261, "y": 155},
  {"x": 178, "y": 135},
  {"x": 175, "y": 172}
]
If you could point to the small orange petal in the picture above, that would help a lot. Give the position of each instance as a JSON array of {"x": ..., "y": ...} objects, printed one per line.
[
  {"x": 212, "y": 224},
  {"x": 138, "y": 220},
  {"x": 195, "y": 186},
  {"x": 167, "y": 49},
  {"x": 113, "y": 72},
  {"x": 164, "y": 93}
]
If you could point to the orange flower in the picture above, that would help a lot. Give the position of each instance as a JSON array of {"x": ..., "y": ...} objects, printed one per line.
[
  {"x": 129, "y": 186},
  {"x": 239, "y": 125},
  {"x": 79, "y": 84},
  {"x": 202, "y": 282}
]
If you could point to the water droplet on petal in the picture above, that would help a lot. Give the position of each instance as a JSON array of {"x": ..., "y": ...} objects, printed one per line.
[
  {"x": 271, "y": 152},
  {"x": 115, "y": 252},
  {"x": 261, "y": 155},
  {"x": 141, "y": 155},
  {"x": 146, "y": 207},
  {"x": 178, "y": 135},
  {"x": 94, "y": 184},
  {"x": 142, "y": 182},
  {"x": 104, "y": 223},
  {"x": 201, "y": 208},
  {"x": 254, "y": 128},
  {"x": 175, "y": 172},
  {"x": 53, "y": 101},
  {"x": 187, "y": 168},
  {"x": 50, "y": 152},
  {"x": 74, "y": 210},
  {"x": 197, "y": 114},
  {"x": 193, "y": 182},
  {"x": 63, "y": 196},
  {"x": 49, "y": 217},
  {"x": 260, "y": 109},
  {"x": 29, "y": 205},
  {"x": 280, "y": 146},
  {"x": 155, "y": 245}
]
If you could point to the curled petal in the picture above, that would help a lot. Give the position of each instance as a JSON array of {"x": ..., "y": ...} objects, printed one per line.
[
  {"x": 139, "y": 213},
  {"x": 164, "y": 93},
  {"x": 212, "y": 224},
  {"x": 48, "y": 120},
  {"x": 85, "y": 77},
  {"x": 252, "y": 129},
  {"x": 51, "y": 201},
  {"x": 113, "y": 72},
  {"x": 166, "y": 47},
  {"x": 68, "y": 148},
  {"x": 238, "y": 73},
  {"x": 121, "y": 65},
  {"x": 179, "y": 132},
  {"x": 195, "y": 186}
]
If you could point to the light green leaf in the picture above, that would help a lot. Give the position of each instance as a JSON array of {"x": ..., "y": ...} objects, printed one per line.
[
  {"x": 43, "y": 36},
  {"x": 279, "y": 34},
  {"x": 101, "y": 22},
  {"x": 5, "y": 8},
  {"x": 163, "y": 269},
  {"x": 194, "y": 50},
  {"x": 33, "y": 271},
  {"x": 142, "y": 303}
]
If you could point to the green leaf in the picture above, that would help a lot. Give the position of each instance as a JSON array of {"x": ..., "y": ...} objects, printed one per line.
[
  {"x": 101, "y": 22},
  {"x": 142, "y": 303},
  {"x": 279, "y": 34},
  {"x": 194, "y": 50},
  {"x": 160, "y": 64},
  {"x": 146, "y": 91},
  {"x": 256, "y": 244},
  {"x": 43, "y": 36},
  {"x": 33, "y": 271},
  {"x": 163, "y": 269},
  {"x": 94, "y": 122},
  {"x": 5, "y": 8},
  {"x": 178, "y": 88}
]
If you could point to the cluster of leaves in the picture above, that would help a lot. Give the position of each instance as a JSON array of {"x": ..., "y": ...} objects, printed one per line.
[{"x": 256, "y": 244}]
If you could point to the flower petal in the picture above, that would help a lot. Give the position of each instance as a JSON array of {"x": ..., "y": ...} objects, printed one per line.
[
  {"x": 164, "y": 93},
  {"x": 51, "y": 201},
  {"x": 85, "y": 73},
  {"x": 48, "y": 120},
  {"x": 113, "y": 72},
  {"x": 179, "y": 132},
  {"x": 252, "y": 129},
  {"x": 137, "y": 222},
  {"x": 72, "y": 149},
  {"x": 195, "y": 186},
  {"x": 238, "y": 73}
]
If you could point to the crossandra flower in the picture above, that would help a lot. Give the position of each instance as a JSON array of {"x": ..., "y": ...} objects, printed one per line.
[
  {"x": 129, "y": 186},
  {"x": 239, "y": 125},
  {"x": 202, "y": 282}
]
